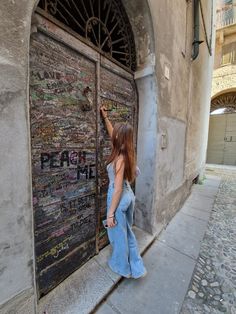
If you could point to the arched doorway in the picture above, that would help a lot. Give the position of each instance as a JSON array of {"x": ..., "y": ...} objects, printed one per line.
[
  {"x": 82, "y": 54},
  {"x": 222, "y": 130}
]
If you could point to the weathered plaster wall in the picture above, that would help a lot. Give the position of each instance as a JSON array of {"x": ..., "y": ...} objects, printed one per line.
[
  {"x": 146, "y": 154},
  {"x": 183, "y": 103},
  {"x": 16, "y": 236},
  {"x": 199, "y": 104},
  {"x": 167, "y": 173},
  {"x": 141, "y": 21}
]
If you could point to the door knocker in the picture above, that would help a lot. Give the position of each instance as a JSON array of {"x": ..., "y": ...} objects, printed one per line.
[{"x": 88, "y": 104}]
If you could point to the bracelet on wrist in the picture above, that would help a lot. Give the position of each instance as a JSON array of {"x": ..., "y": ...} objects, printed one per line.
[{"x": 111, "y": 216}]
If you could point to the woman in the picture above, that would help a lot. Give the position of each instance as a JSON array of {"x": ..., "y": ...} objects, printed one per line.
[{"x": 125, "y": 259}]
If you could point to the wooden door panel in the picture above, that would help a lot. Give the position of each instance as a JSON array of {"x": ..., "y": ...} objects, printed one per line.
[
  {"x": 215, "y": 150},
  {"x": 63, "y": 128},
  {"x": 222, "y": 139},
  {"x": 230, "y": 140},
  {"x": 118, "y": 95}
]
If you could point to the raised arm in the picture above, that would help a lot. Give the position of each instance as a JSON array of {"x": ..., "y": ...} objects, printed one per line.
[{"x": 107, "y": 121}]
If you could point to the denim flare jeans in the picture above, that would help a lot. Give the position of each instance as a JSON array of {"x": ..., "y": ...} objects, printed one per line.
[{"x": 125, "y": 259}]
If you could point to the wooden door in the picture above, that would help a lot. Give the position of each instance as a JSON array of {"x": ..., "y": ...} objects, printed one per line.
[
  {"x": 215, "y": 150},
  {"x": 68, "y": 83},
  {"x": 230, "y": 140},
  {"x": 222, "y": 139}
]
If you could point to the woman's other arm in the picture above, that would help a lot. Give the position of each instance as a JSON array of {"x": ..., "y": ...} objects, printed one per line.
[
  {"x": 107, "y": 121},
  {"x": 118, "y": 188}
]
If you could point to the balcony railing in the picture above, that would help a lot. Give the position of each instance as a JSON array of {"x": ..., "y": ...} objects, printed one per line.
[
  {"x": 225, "y": 16},
  {"x": 224, "y": 23}
]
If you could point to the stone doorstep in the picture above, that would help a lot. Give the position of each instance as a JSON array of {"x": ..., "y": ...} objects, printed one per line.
[{"x": 87, "y": 287}]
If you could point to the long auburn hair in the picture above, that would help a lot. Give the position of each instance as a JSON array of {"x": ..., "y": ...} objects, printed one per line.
[{"x": 123, "y": 144}]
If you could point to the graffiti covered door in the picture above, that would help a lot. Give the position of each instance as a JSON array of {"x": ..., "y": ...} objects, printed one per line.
[
  {"x": 63, "y": 128},
  {"x": 68, "y": 82},
  {"x": 118, "y": 94}
]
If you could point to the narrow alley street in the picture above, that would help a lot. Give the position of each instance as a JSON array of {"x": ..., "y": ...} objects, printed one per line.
[
  {"x": 191, "y": 266},
  {"x": 213, "y": 285}
]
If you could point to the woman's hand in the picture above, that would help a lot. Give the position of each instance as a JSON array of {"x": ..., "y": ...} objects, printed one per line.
[
  {"x": 109, "y": 126},
  {"x": 110, "y": 222},
  {"x": 103, "y": 111}
]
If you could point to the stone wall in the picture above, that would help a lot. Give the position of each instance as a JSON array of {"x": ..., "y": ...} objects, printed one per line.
[
  {"x": 224, "y": 77},
  {"x": 224, "y": 80},
  {"x": 183, "y": 102},
  {"x": 16, "y": 223}
]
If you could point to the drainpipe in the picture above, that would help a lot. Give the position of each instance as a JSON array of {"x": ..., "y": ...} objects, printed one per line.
[{"x": 196, "y": 28}]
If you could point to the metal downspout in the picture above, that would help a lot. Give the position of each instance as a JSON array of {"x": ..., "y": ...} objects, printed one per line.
[{"x": 196, "y": 28}]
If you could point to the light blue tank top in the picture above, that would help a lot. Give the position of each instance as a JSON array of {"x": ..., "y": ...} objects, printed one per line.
[{"x": 111, "y": 176}]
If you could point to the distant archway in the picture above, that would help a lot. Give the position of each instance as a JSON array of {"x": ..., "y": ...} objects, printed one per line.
[
  {"x": 222, "y": 132},
  {"x": 224, "y": 100}
]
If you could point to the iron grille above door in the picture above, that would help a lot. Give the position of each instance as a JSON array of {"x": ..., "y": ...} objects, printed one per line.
[{"x": 102, "y": 23}]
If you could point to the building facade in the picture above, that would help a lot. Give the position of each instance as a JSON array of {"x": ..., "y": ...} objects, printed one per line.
[
  {"x": 224, "y": 64},
  {"x": 222, "y": 128},
  {"x": 59, "y": 61}
]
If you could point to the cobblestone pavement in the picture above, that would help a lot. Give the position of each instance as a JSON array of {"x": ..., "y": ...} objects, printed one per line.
[{"x": 213, "y": 285}]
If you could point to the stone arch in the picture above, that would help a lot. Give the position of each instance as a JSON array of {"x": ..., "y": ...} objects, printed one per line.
[
  {"x": 141, "y": 21},
  {"x": 224, "y": 91},
  {"x": 226, "y": 99},
  {"x": 228, "y": 82}
]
